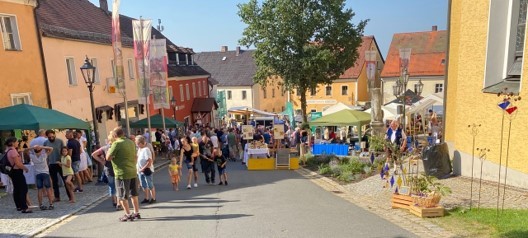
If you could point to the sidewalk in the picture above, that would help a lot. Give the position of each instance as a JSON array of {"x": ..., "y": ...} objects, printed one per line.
[
  {"x": 370, "y": 195},
  {"x": 16, "y": 224}
]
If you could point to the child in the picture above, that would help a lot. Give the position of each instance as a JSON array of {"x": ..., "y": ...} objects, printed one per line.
[
  {"x": 67, "y": 172},
  {"x": 174, "y": 172},
  {"x": 221, "y": 163},
  {"x": 39, "y": 157}
]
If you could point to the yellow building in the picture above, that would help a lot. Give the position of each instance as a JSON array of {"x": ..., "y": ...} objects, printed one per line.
[
  {"x": 350, "y": 88},
  {"x": 486, "y": 48},
  {"x": 22, "y": 70}
]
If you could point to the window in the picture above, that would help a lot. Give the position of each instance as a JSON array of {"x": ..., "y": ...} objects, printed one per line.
[
  {"x": 21, "y": 98},
  {"x": 264, "y": 94},
  {"x": 194, "y": 89},
  {"x": 205, "y": 88},
  {"x": 182, "y": 58},
  {"x": 97, "y": 80},
  {"x": 273, "y": 93},
  {"x": 229, "y": 95},
  {"x": 114, "y": 74},
  {"x": 188, "y": 91},
  {"x": 200, "y": 88},
  {"x": 313, "y": 91},
  {"x": 9, "y": 30},
  {"x": 282, "y": 92},
  {"x": 328, "y": 90},
  {"x": 344, "y": 90},
  {"x": 438, "y": 88},
  {"x": 313, "y": 110},
  {"x": 190, "y": 59},
  {"x": 244, "y": 95},
  {"x": 282, "y": 109},
  {"x": 182, "y": 95},
  {"x": 70, "y": 66},
  {"x": 506, "y": 34},
  {"x": 131, "y": 69}
]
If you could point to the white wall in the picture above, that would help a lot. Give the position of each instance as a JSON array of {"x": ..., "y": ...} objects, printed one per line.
[
  {"x": 429, "y": 86},
  {"x": 236, "y": 92}
]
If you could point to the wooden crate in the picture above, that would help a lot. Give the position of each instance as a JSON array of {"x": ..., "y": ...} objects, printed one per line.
[
  {"x": 401, "y": 201},
  {"x": 427, "y": 212}
]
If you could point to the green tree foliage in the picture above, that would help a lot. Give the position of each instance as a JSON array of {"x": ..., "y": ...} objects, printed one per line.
[{"x": 305, "y": 42}]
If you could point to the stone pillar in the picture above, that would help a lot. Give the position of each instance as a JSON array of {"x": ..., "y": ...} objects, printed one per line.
[{"x": 376, "y": 114}]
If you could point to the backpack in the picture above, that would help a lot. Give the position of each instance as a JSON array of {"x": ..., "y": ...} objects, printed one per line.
[{"x": 5, "y": 165}]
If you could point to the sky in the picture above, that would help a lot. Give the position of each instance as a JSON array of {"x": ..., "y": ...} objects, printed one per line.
[{"x": 206, "y": 25}]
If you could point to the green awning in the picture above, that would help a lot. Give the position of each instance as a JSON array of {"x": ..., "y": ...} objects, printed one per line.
[
  {"x": 28, "y": 117},
  {"x": 156, "y": 122}
]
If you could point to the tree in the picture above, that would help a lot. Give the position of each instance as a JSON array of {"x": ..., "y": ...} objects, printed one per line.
[{"x": 305, "y": 42}]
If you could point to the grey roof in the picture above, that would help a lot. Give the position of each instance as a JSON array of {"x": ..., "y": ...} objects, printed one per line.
[{"x": 227, "y": 68}]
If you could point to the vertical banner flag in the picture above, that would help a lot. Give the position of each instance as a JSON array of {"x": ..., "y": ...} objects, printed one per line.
[
  {"x": 158, "y": 73},
  {"x": 116, "y": 45},
  {"x": 370, "y": 56},
  {"x": 142, "y": 30}
]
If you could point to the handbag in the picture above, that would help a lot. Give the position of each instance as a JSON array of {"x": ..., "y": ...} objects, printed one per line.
[{"x": 147, "y": 172}]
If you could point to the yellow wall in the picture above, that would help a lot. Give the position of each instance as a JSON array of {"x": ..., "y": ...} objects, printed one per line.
[
  {"x": 75, "y": 100},
  {"x": 330, "y": 100},
  {"x": 466, "y": 103},
  {"x": 271, "y": 103},
  {"x": 22, "y": 71}
]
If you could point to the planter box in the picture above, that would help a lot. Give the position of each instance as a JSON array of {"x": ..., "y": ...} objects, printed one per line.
[
  {"x": 427, "y": 212},
  {"x": 261, "y": 164},
  {"x": 401, "y": 201}
]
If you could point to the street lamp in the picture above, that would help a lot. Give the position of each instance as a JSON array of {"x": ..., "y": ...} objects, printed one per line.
[
  {"x": 88, "y": 73},
  {"x": 173, "y": 104},
  {"x": 401, "y": 84},
  {"x": 419, "y": 88}
]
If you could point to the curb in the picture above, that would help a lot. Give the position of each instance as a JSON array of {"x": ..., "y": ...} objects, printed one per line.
[
  {"x": 400, "y": 218},
  {"x": 80, "y": 210}
]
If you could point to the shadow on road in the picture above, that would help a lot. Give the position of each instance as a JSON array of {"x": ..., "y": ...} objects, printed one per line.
[{"x": 195, "y": 217}]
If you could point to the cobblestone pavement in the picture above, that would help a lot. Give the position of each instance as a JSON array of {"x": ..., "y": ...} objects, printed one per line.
[
  {"x": 16, "y": 224},
  {"x": 370, "y": 195}
]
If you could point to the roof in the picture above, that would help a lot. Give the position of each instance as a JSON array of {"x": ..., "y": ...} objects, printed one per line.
[
  {"x": 355, "y": 71},
  {"x": 227, "y": 68},
  {"x": 204, "y": 105},
  {"x": 82, "y": 20},
  {"x": 428, "y": 54},
  {"x": 410, "y": 98}
]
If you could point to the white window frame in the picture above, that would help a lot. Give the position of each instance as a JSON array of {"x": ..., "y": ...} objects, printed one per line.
[
  {"x": 131, "y": 72},
  {"x": 502, "y": 31},
  {"x": 344, "y": 90},
  {"x": 200, "y": 89},
  {"x": 439, "y": 87},
  {"x": 244, "y": 95},
  {"x": 17, "y": 43},
  {"x": 182, "y": 95},
  {"x": 204, "y": 87},
  {"x": 97, "y": 80},
  {"x": 188, "y": 91},
  {"x": 70, "y": 71},
  {"x": 194, "y": 89},
  {"x": 326, "y": 90},
  {"x": 229, "y": 95},
  {"x": 26, "y": 97},
  {"x": 313, "y": 91}
]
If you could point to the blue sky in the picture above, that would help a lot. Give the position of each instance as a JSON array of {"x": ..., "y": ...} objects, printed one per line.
[{"x": 205, "y": 25}]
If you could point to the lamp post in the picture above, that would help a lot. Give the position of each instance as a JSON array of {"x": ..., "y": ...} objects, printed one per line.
[
  {"x": 173, "y": 104},
  {"x": 400, "y": 87},
  {"x": 88, "y": 73}
]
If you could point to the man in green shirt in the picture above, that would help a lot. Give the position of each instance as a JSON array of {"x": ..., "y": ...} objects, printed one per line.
[{"x": 122, "y": 153}]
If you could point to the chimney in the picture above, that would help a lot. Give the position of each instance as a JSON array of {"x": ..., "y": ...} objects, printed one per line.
[
  {"x": 103, "y": 4},
  {"x": 435, "y": 28},
  {"x": 237, "y": 50},
  {"x": 223, "y": 48}
]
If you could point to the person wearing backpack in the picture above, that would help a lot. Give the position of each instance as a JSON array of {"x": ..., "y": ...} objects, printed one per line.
[{"x": 20, "y": 189}]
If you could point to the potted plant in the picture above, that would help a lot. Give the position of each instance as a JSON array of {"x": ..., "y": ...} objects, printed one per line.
[{"x": 427, "y": 190}]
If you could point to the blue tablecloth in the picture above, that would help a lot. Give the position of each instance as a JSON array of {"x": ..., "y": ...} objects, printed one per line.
[{"x": 337, "y": 149}]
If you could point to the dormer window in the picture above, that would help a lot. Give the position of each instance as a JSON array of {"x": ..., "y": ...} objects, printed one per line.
[
  {"x": 182, "y": 59},
  {"x": 190, "y": 60}
]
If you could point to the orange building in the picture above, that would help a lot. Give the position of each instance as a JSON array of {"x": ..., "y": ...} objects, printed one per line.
[{"x": 20, "y": 51}]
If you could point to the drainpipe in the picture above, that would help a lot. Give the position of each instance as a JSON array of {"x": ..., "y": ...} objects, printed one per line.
[
  {"x": 446, "y": 68},
  {"x": 41, "y": 49}
]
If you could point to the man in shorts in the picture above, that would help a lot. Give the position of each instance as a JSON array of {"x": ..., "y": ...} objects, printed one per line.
[{"x": 122, "y": 153}]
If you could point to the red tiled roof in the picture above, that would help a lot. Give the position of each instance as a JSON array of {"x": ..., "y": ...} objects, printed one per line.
[
  {"x": 428, "y": 52},
  {"x": 355, "y": 71}
]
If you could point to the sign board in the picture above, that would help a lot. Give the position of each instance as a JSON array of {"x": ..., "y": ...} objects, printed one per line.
[
  {"x": 247, "y": 132},
  {"x": 321, "y": 101},
  {"x": 278, "y": 132}
]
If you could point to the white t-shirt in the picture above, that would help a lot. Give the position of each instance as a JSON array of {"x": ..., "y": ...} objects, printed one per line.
[
  {"x": 214, "y": 139},
  {"x": 40, "y": 161},
  {"x": 143, "y": 155}
]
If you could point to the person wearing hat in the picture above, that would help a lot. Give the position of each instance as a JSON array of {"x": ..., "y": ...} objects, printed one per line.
[{"x": 20, "y": 188}]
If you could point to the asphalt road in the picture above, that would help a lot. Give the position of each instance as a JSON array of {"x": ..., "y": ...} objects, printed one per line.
[{"x": 254, "y": 204}]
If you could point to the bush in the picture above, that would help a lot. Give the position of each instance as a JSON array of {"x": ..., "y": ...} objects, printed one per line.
[
  {"x": 324, "y": 169},
  {"x": 346, "y": 176},
  {"x": 315, "y": 161}
]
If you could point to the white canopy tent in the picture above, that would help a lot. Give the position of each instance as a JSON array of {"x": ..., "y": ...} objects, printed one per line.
[
  {"x": 249, "y": 111},
  {"x": 435, "y": 99},
  {"x": 388, "y": 113},
  {"x": 338, "y": 107}
]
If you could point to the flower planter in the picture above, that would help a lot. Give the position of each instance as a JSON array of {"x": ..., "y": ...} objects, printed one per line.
[{"x": 401, "y": 201}]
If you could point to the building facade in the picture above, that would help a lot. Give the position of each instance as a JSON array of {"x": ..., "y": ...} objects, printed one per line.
[
  {"x": 487, "y": 45},
  {"x": 350, "y": 89},
  {"x": 427, "y": 62},
  {"x": 20, "y": 51}
]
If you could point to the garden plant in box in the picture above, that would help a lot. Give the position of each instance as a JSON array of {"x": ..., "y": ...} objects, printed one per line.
[{"x": 427, "y": 190}]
